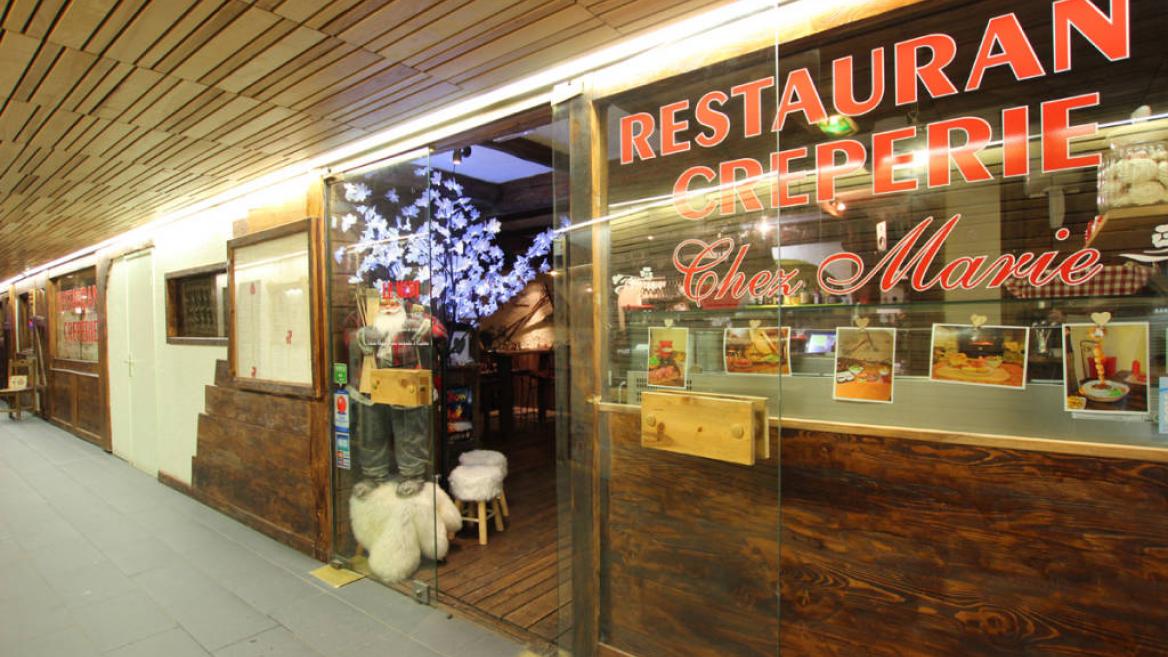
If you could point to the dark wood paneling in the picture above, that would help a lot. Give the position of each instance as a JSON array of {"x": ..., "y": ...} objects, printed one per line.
[
  {"x": 61, "y": 397},
  {"x": 889, "y": 547},
  {"x": 263, "y": 459},
  {"x": 953, "y": 549},
  {"x": 690, "y": 553},
  {"x": 91, "y": 408}
]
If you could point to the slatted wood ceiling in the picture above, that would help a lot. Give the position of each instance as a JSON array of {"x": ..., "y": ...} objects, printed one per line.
[{"x": 114, "y": 110}]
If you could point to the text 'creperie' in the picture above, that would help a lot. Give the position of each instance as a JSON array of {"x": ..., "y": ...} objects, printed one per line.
[{"x": 921, "y": 63}]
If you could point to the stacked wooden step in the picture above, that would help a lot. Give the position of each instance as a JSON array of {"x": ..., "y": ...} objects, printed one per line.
[{"x": 253, "y": 461}]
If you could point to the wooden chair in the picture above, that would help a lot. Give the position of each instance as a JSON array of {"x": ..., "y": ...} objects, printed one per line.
[{"x": 19, "y": 371}]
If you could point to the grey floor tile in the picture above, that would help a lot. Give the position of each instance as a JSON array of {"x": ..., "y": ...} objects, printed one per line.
[
  {"x": 122, "y": 620},
  {"x": 139, "y": 555},
  {"x": 174, "y": 642},
  {"x": 220, "y": 619},
  {"x": 269, "y": 587},
  {"x": 446, "y": 635},
  {"x": 398, "y": 646},
  {"x": 90, "y": 583},
  {"x": 385, "y": 604},
  {"x": 276, "y": 642},
  {"x": 70, "y": 642},
  {"x": 328, "y": 624}
]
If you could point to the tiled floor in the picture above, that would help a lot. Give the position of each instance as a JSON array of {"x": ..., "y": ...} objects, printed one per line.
[{"x": 97, "y": 558}]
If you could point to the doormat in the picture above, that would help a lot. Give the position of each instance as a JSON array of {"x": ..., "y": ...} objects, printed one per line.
[{"x": 336, "y": 577}]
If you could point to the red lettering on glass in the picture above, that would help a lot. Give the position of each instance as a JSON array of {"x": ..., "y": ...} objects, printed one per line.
[{"x": 1110, "y": 34}]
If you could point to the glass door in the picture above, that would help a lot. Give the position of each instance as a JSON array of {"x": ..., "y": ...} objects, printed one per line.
[{"x": 391, "y": 520}]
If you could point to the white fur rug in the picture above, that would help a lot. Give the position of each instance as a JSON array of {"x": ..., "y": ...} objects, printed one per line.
[{"x": 398, "y": 532}]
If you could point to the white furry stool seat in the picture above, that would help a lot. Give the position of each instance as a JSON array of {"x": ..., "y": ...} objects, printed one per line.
[
  {"x": 477, "y": 485},
  {"x": 491, "y": 458},
  {"x": 484, "y": 457}
]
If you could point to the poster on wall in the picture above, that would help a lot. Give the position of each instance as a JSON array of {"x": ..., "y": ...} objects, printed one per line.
[
  {"x": 980, "y": 355},
  {"x": 864, "y": 360},
  {"x": 668, "y": 357},
  {"x": 1105, "y": 368},
  {"x": 765, "y": 350}
]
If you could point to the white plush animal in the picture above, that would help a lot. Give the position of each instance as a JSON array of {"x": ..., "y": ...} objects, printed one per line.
[{"x": 397, "y": 531}]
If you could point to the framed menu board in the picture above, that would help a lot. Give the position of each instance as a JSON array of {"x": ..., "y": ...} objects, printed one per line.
[{"x": 271, "y": 307}]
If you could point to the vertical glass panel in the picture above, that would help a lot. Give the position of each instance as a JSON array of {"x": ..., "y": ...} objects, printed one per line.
[
  {"x": 672, "y": 373},
  {"x": 389, "y": 523}
]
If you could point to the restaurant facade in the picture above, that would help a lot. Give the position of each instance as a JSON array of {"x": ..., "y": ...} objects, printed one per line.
[{"x": 858, "y": 343}]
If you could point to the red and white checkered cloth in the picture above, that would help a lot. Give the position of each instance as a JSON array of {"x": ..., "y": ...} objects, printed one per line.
[{"x": 1113, "y": 281}]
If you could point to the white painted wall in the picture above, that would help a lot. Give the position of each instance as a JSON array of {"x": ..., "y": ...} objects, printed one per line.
[{"x": 182, "y": 371}]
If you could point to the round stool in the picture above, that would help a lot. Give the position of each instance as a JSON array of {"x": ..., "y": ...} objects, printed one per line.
[
  {"x": 478, "y": 485},
  {"x": 492, "y": 458}
]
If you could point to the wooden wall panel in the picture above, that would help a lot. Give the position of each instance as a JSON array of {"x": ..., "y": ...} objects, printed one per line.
[{"x": 889, "y": 547}]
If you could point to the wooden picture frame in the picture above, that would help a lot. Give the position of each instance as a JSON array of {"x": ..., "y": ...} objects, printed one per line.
[{"x": 314, "y": 240}]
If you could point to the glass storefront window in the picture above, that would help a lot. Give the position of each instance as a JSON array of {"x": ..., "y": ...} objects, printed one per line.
[{"x": 76, "y": 334}]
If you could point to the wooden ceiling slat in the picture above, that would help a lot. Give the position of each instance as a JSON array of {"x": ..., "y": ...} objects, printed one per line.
[
  {"x": 169, "y": 103},
  {"x": 16, "y": 54},
  {"x": 79, "y": 21},
  {"x": 352, "y": 63},
  {"x": 293, "y": 44},
  {"x": 208, "y": 100},
  {"x": 178, "y": 32},
  {"x": 224, "y": 41},
  {"x": 519, "y": 38},
  {"x": 56, "y": 124},
  {"x": 328, "y": 12},
  {"x": 12, "y": 119},
  {"x": 35, "y": 73},
  {"x": 499, "y": 27},
  {"x": 44, "y": 18},
  {"x": 271, "y": 116},
  {"x": 522, "y": 61},
  {"x": 298, "y": 11},
  {"x": 67, "y": 142},
  {"x": 369, "y": 20},
  {"x": 233, "y": 108},
  {"x": 440, "y": 89},
  {"x": 147, "y": 27},
  {"x": 70, "y": 67},
  {"x": 116, "y": 23},
  {"x": 128, "y": 91},
  {"x": 326, "y": 104},
  {"x": 105, "y": 86},
  {"x": 675, "y": 11},
  {"x": 190, "y": 48},
  {"x": 19, "y": 11},
  {"x": 83, "y": 86},
  {"x": 328, "y": 50},
  {"x": 33, "y": 124},
  {"x": 248, "y": 52},
  {"x": 428, "y": 29}
]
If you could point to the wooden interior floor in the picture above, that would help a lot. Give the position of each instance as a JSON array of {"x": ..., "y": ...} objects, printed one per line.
[{"x": 514, "y": 577}]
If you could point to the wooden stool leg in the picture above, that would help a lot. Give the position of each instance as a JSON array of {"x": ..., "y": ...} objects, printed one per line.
[
  {"x": 498, "y": 514},
  {"x": 482, "y": 522},
  {"x": 503, "y": 503}
]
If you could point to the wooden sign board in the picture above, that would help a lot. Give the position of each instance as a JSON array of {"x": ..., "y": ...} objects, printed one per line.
[
  {"x": 718, "y": 427},
  {"x": 401, "y": 387}
]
